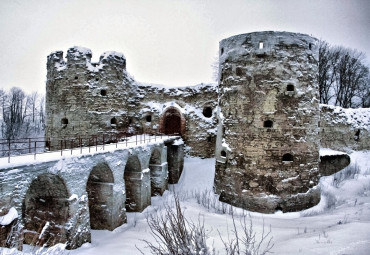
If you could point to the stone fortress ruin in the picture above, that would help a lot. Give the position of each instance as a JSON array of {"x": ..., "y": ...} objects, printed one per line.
[{"x": 261, "y": 122}]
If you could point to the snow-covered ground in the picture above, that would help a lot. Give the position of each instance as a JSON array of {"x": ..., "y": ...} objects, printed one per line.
[{"x": 339, "y": 224}]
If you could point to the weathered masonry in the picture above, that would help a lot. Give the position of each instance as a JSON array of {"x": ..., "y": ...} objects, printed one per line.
[
  {"x": 267, "y": 146},
  {"x": 264, "y": 114},
  {"x": 85, "y": 98},
  {"x": 60, "y": 201}
]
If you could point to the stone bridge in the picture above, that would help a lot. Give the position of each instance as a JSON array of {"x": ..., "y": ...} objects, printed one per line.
[{"x": 61, "y": 198}]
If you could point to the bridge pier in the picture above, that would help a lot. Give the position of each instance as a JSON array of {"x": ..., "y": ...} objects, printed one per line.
[
  {"x": 158, "y": 172},
  {"x": 175, "y": 160}
]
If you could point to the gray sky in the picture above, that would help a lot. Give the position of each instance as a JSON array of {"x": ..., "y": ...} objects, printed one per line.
[{"x": 169, "y": 42}]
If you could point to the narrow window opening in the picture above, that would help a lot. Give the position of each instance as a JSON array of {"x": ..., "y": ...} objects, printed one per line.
[
  {"x": 310, "y": 46},
  {"x": 47, "y": 145},
  {"x": 148, "y": 118},
  {"x": 207, "y": 112},
  {"x": 223, "y": 153},
  {"x": 222, "y": 51},
  {"x": 239, "y": 71},
  {"x": 209, "y": 139},
  {"x": 76, "y": 77},
  {"x": 113, "y": 121},
  {"x": 64, "y": 121},
  {"x": 268, "y": 124},
  {"x": 129, "y": 121},
  {"x": 103, "y": 92},
  {"x": 288, "y": 157},
  {"x": 260, "y": 46},
  {"x": 290, "y": 87},
  {"x": 357, "y": 135}
]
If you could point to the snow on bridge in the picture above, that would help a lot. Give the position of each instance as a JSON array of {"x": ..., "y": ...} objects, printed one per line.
[{"x": 60, "y": 196}]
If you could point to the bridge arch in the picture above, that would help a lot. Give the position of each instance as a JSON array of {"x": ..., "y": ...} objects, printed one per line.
[
  {"x": 45, "y": 211},
  {"x": 172, "y": 121},
  {"x": 99, "y": 188}
]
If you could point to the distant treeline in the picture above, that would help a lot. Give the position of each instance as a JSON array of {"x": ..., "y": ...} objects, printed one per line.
[
  {"x": 343, "y": 77},
  {"x": 21, "y": 115}
]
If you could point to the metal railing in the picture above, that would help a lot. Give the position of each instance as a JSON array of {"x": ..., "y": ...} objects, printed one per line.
[{"x": 36, "y": 145}]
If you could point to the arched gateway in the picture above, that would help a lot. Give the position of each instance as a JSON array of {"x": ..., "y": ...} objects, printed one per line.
[{"x": 172, "y": 122}]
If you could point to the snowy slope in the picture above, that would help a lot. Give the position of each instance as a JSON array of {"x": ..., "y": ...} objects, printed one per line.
[{"x": 339, "y": 224}]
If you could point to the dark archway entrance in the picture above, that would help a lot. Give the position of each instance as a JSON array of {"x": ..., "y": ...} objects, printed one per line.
[
  {"x": 172, "y": 122},
  {"x": 45, "y": 211},
  {"x": 99, "y": 188}
]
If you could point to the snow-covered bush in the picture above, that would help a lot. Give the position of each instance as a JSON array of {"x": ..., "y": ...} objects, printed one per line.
[
  {"x": 174, "y": 234},
  {"x": 350, "y": 172},
  {"x": 211, "y": 201},
  {"x": 246, "y": 242}
]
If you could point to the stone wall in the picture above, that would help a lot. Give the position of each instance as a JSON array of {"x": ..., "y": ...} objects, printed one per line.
[
  {"x": 344, "y": 129},
  {"x": 85, "y": 98},
  {"x": 267, "y": 149},
  {"x": 196, "y": 106}
]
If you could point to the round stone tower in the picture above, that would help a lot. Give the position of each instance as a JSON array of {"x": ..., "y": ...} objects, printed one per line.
[{"x": 267, "y": 147}]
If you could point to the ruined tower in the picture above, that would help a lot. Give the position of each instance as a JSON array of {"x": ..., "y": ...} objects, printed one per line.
[
  {"x": 267, "y": 151},
  {"x": 85, "y": 98}
]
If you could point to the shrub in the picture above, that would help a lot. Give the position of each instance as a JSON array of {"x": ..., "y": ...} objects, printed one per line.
[
  {"x": 246, "y": 242},
  {"x": 174, "y": 234},
  {"x": 350, "y": 172}
]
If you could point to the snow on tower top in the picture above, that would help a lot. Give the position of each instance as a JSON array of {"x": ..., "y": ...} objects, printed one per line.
[{"x": 78, "y": 55}]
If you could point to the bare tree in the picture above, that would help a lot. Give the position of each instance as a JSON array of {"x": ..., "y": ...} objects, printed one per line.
[
  {"x": 2, "y": 105},
  {"x": 343, "y": 77},
  {"x": 13, "y": 113},
  {"x": 33, "y": 102},
  {"x": 364, "y": 93},
  {"x": 351, "y": 75},
  {"x": 328, "y": 59},
  {"x": 41, "y": 122},
  {"x": 21, "y": 115}
]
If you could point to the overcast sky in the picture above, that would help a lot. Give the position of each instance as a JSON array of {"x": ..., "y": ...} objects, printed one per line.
[{"x": 169, "y": 42}]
